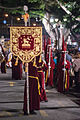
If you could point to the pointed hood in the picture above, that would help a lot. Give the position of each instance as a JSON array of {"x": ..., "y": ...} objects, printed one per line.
[
  {"x": 63, "y": 44},
  {"x": 44, "y": 43}
]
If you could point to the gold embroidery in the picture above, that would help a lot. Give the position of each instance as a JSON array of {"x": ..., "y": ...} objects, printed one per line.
[
  {"x": 26, "y": 43},
  {"x": 14, "y": 48},
  {"x": 24, "y": 54}
]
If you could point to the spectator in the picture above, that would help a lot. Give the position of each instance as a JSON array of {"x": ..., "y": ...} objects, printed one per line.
[
  {"x": 69, "y": 58},
  {"x": 76, "y": 67}
]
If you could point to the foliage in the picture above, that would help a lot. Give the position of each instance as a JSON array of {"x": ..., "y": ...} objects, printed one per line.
[
  {"x": 67, "y": 11},
  {"x": 53, "y": 7},
  {"x": 73, "y": 6},
  {"x": 36, "y": 7}
]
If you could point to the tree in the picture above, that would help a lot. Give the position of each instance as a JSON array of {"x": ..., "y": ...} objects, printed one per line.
[{"x": 67, "y": 11}]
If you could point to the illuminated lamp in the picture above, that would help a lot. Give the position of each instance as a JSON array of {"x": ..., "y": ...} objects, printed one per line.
[
  {"x": 6, "y": 15},
  {"x": 34, "y": 24},
  {"x": 18, "y": 19},
  {"x": 4, "y": 21}
]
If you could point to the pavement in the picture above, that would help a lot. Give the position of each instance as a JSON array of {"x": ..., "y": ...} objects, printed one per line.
[{"x": 59, "y": 106}]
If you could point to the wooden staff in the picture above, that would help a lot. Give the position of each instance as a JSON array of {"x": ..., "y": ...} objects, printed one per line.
[
  {"x": 49, "y": 60},
  {"x": 27, "y": 81},
  {"x": 26, "y": 66},
  {"x": 64, "y": 69}
]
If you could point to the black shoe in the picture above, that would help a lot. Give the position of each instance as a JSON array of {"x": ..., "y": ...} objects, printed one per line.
[
  {"x": 32, "y": 112},
  {"x": 25, "y": 113},
  {"x": 46, "y": 100}
]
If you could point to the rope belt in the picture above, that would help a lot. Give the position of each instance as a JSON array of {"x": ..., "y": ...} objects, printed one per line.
[
  {"x": 66, "y": 80},
  {"x": 37, "y": 81},
  {"x": 40, "y": 71}
]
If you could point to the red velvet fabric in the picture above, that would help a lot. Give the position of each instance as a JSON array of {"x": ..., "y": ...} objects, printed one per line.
[
  {"x": 16, "y": 70},
  {"x": 3, "y": 67},
  {"x": 41, "y": 70},
  {"x": 60, "y": 75},
  {"x": 34, "y": 99},
  {"x": 61, "y": 72},
  {"x": 3, "y": 64},
  {"x": 44, "y": 43},
  {"x": 34, "y": 93},
  {"x": 52, "y": 65},
  {"x": 28, "y": 40}
]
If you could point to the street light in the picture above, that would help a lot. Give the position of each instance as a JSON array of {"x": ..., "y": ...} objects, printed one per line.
[
  {"x": 6, "y": 15},
  {"x": 4, "y": 21},
  {"x": 34, "y": 24},
  {"x": 18, "y": 19}
]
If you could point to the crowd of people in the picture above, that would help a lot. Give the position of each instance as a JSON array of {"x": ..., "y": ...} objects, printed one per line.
[{"x": 59, "y": 69}]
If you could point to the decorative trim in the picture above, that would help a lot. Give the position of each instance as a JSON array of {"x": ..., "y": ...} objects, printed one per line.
[{"x": 31, "y": 37}]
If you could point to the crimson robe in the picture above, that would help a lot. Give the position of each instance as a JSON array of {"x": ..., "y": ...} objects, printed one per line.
[
  {"x": 52, "y": 65},
  {"x": 3, "y": 64},
  {"x": 60, "y": 76},
  {"x": 34, "y": 99},
  {"x": 63, "y": 70},
  {"x": 51, "y": 73},
  {"x": 16, "y": 70},
  {"x": 41, "y": 68},
  {"x": 3, "y": 67}
]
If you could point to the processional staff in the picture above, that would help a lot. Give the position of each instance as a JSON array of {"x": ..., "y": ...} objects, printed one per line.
[
  {"x": 64, "y": 61},
  {"x": 49, "y": 67},
  {"x": 26, "y": 49},
  {"x": 26, "y": 17}
]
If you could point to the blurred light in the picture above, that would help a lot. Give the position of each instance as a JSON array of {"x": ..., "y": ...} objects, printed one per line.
[
  {"x": 36, "y": 19},
  {"x": 65, "y": 19},
  {"x": 51, "y": 19},
  {"x": 79, "y": 48},
  {"x": 34, "y": 24},
  {"x": 6, "y": 15},
  {"x": 61, "y": 26},
  {"x": 56, "y": 19},
  {"x": 54, "y": 25},
  {"x": 4, "y": 21},
  {"x": 11, "y": 83},
  {"x": 18, "y": 19},
  {"x": 75, "y": 43}
]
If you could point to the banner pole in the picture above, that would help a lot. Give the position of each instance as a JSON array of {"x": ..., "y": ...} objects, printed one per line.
[
  {"x": 27, "y": 81},
  {"x": 49, "y": 61},
  {"x": 26, "y": 72},
  {"x": 64, "y": 73},
  {"x": 49, "y": 67}
]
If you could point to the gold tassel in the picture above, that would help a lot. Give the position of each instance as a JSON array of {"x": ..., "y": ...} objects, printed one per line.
[
  {"x": 16, "y": 63},
  {"x": 26, "y": 68},
  {"x": 66, "y": 80},
  {"x": 40, "y": 59},
  {"x": 46, "y": 76},
  {"x": 34, "y": 63},
  {"x": 23, "y": 62},
  {"x": 9, "y": 58}
]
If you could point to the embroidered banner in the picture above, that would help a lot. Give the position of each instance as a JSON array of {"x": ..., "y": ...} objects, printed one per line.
[{"x": 26, "y": 42}]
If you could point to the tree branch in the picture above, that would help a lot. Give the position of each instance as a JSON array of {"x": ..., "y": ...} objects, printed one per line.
[
  {"x": 66, "y": 10},
  {"x": 10, "y": 8}
]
